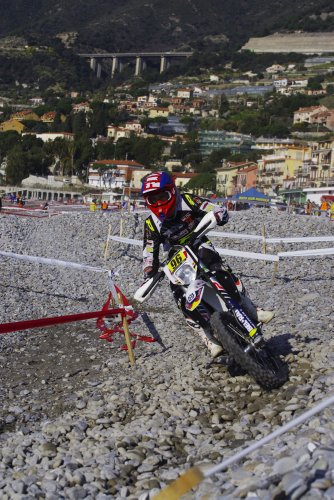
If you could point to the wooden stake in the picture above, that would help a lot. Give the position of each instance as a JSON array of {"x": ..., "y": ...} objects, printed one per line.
[
  {"x": 275, "y": 268},
  {"x": 264, "y": 244},
  {"x": 127, "y": 334},
  {"x": 106, "y": 246},
  {"x": 121, "y": 225}
]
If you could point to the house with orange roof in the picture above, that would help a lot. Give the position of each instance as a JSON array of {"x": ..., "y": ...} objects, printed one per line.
[
  {"x": 12, "y": 124},
  {"x": 246, "y": 177},
  {"x": 82, "y": 107},
  {"x": 305, "y": 114},
  {"x": 25, "y": 114},
  {"x": 48, "y": 117},
  {"x": 158, "y": 111}
]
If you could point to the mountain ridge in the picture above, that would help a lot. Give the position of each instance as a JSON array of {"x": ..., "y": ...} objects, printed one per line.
[{"x": 120, "y": 25}]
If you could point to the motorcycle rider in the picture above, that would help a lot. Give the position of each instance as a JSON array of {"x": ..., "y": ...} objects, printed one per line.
[{"x": 173, "y": 219}]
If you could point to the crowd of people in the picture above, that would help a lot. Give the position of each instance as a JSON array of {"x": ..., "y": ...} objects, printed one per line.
[{"x": 324, "y": 209}]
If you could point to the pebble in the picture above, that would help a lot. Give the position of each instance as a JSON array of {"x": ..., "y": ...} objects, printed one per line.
[{"x": 78, "y": 421}]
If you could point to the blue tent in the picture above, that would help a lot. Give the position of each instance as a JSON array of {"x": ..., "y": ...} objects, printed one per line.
[{"x": 251, "y": 195}]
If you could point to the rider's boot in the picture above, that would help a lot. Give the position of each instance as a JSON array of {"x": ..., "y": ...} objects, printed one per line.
[
  {"x": 213, "y": 346},
  {"x": 256, "y": 314}
]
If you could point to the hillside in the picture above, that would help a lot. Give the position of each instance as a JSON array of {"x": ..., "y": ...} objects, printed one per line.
[{"x": 125, "y": 25}]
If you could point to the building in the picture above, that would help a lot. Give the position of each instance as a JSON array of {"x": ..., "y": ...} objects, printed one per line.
[
  {"x": 212, "y": 140},
  {"x": 158, "y": 111},
  {"x": 51, "y": 136},
  {"x": 83, "y": 107},
  {"x": 48, "y": 117},
  {"x": 12, "y": 124},
  {"x": 315, "y": 194},
  {"x": 25, "y": 114},
  {"x": 137, "y": 177},
  {"x": 271, "y": 143},
  {"x": 246, "y": 177},
  {"x": 116, "y": 133},
  {"x": 182, "y": 179},
  {"x": 304, "y": 115},
  {"x": 227, "y": 175},
  {"x": 112, "y": 174},
  {"x": 134, "y": 127},
  {"x": 185, "y": 93},
  {"x": 279, "y": 169}
]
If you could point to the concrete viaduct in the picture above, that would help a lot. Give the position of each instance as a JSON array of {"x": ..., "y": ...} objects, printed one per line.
[
  {"x": 139, "y": 57},
  {"x": 42, "y": 194}
]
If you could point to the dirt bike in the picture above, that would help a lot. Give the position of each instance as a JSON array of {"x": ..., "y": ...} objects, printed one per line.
[{"x": 240, "y": 336}]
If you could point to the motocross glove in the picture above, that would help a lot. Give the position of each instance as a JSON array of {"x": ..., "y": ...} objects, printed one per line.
[{"x": 221, "y": 215}]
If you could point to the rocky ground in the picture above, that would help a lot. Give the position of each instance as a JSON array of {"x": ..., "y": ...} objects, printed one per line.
[{"x": 77, "y": 421}]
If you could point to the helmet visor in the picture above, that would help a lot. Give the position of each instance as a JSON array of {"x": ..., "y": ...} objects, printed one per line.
[{"x": 155, "y": 199}]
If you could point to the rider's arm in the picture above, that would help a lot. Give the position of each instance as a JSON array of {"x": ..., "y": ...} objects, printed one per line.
[
  {"x": 151, "y": 247},
  {"x": 201, "y": 205}
]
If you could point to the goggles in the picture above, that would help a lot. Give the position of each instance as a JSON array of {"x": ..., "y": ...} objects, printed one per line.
[{"x": 155, "y": 199}]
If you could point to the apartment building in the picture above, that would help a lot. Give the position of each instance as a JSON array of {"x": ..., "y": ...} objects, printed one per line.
[{"x": 112, "y": 174}]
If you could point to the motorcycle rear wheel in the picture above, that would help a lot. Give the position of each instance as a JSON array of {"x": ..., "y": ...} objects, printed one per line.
[{"x": 266, "y": 368}]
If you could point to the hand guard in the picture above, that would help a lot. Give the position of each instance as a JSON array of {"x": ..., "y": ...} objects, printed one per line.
[{"x": 221, "y": 215}]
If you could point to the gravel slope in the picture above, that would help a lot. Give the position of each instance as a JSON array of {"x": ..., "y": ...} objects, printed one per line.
[{"x": 77, "y": 421}]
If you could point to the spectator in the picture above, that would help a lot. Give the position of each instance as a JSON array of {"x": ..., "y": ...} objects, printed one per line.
[
  {"x": 308, "y": 207},
  {"x": 323, "y": 208},
  {"x": 331, "y": 212}
]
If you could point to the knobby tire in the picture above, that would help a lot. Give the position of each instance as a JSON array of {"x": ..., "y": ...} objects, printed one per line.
[{"x": 267, "y": 369}]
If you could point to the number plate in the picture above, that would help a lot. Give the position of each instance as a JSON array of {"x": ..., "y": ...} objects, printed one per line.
[{"x": 177, "y": 260}]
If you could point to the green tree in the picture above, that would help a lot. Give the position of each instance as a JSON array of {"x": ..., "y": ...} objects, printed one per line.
[
  {"x": 79, "y": 123},
  {"x": 202, "y": 182},
  {"x": 17, "y": 168},
  {"x": 223, "y": 106}
]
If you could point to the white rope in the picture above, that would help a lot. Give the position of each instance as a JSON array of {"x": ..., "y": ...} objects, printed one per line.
[
  {"x": 307, "y": 239},
  {"x": 53, "y": 262},
  {"x": 258, "y": 444},
  {"x": 248, "y": 255},
  {"x": 307, "y": 253},
  {"x": 236, "y": 236},
  {"x": 129, "y": 241}
]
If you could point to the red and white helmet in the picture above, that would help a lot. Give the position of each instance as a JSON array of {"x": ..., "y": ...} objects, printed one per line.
[{"x": 160, "y": 194}]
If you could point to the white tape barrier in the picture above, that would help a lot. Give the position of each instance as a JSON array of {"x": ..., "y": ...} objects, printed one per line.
[
  {"x": 281, "y": 430},
  {"x": 223, "y": 251},
  {"x": 307, "y": 239},
  {"x": 237, "y": 236},
  {"x": 307, "y": 253},
  {"x": 248, "y": 255},
  {"x": 129, "y": 241},
  {"x": 53, "y": 262}
]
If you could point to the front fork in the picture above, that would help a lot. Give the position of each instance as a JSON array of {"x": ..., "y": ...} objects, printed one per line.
[{"x": 252, "y": 331}]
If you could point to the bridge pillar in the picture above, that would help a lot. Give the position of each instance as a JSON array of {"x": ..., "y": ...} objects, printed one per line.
[
  {"x": 164, "y": 63},
  {"x": 93, "y": 63},
  {"x": 139, "y": 65},
  {"x": 115, "y": 66},
  {"x": 98, "y": 71}
]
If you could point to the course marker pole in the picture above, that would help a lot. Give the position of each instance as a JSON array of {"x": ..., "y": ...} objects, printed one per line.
[
  {"x": 126, "y": 332},
  {"x": 264, "y": 245},
  {"x": 186, "y": 483},
  {"x": 182, "y": 485},
  {"x": 106, "y": 246}
]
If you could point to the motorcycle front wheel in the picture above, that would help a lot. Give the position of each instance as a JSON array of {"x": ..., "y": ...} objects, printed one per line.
[{"x": 266, "y": 368}]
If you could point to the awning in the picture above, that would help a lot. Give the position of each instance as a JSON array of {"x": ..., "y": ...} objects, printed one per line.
[{"x": 327, "y": 197}]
